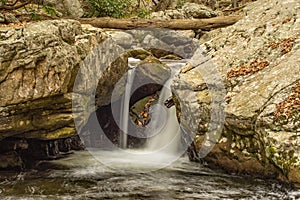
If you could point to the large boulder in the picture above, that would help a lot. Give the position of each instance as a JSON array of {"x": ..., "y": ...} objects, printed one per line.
[
  {"x": 258, "y": 59},
  {"x": 39, "y": 63}
]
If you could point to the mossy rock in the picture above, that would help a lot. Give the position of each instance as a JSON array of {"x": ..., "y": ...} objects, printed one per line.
[
  {"x": 65, "y": 132},
  {"x": 139, "y": 54}
]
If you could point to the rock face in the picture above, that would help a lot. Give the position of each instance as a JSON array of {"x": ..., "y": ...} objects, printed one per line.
[
  {"x": 149, "y": 77},
  {"x": 55, "y": 75},
  {"x": 258, "y": 59},
  {"x": 38, "y": 66}
]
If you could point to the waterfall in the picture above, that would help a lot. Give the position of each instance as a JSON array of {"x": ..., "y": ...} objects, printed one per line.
[
  {"x": 163, "y": 132},
  {"x": 164, "y": 128},
  {"x": 124, "y": 114}
]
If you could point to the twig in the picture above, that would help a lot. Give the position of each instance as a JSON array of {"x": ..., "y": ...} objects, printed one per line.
[{"x": 13, "y": 7}]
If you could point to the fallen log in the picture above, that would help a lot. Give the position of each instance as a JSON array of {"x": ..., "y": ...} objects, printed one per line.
[{"x": 177, "y": 24}]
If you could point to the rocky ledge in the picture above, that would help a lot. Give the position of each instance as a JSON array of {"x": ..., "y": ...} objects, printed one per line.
[
  {"x": 55, "y": 74},
  {"x": 258, "y": 60},
  {"x": 38, "y": 65}
]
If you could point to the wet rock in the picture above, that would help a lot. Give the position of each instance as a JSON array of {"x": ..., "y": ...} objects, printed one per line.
[
  {"x": 48, "y": 149},
  {"x": 13, "y": 144},
  {"x": 10, "y": 160},
  {"x": 150, "y": 76},
  {"x": 249, "y": 58}
]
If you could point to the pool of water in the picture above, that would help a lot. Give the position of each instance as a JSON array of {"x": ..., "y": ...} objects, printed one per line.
[{"x": 81, "y": 176}]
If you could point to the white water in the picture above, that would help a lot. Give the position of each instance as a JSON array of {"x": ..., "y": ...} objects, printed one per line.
[
  {"x": 164, "y": 127},
  {"x": 163, "y": 132},
  {"x": 124, "y": 115}
]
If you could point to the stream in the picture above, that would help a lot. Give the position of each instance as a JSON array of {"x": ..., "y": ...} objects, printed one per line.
[
  {"x": 159, "y": 171},
  {"x": 81, "y": 176}
]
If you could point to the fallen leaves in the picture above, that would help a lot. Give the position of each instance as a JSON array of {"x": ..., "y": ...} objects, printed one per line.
[
  {"x": 290, "y": 105},
  {"x": 143, "y": 118},
  {"x": 250, "y": 68},
  {"x": 13, "y": 25},
  {"x": 286, "y": 20},
  {"x": 286, "y": 44}
]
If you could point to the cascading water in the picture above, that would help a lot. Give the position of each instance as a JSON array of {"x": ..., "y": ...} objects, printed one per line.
[
  {"x": 164, "y": 127},
  {"x": 81, "y": 176},
  {"x": 124, "y": 114},
  {"x": 163, "y": 132}
]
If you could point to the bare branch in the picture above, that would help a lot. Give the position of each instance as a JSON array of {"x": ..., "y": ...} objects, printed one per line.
[{"x": 13, "y": 6}]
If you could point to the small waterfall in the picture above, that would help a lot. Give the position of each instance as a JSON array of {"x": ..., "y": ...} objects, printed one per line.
[
  {"x": 164, "y": 126},
  {"x": 124, "y": 114},
  {"x": 163, "y": 131}
]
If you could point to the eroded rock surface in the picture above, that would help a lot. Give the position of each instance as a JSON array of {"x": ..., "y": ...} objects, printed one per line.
[
  {"x": 38, "y": 65},
  {"x": 258, "y": 59}
]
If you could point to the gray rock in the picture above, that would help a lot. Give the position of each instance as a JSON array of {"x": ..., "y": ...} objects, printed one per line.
[
  {"x": 198, "y": 11},
  {"x": 68, "y": 8},
  {"x": 11, "y": 18},
  {"x": 175, "y": 14},
  {"x": 160, "y": 15},
  {"x": 257, "y": 141},
  {"x": 123, "y": 39},
  {"x": 186, "y": 33},
  {"x": 189, "y": 10}
]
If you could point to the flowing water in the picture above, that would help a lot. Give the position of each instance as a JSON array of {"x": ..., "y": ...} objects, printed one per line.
[
  {"x": 124, "y": 116},
  {"x": 164, "y": 127},
  {"x": 148, "y": 173},
  {"x": 81, "y": 176}
]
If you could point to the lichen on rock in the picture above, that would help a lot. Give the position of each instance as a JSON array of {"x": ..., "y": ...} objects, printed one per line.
[{"x": 258, "y": 58}]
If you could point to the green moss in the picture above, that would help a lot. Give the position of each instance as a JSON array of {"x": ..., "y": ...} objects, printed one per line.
[
  {"x": 138, "y": 54},
  {"x": 57, "y": 134},
  {"x": 272, "y": 150}
]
